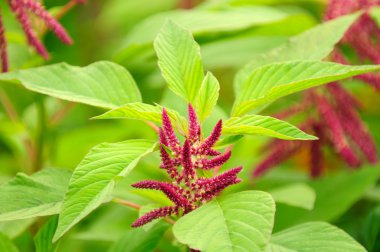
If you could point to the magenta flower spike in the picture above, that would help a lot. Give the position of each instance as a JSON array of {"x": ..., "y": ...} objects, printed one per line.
[
  {"x": 187, "y": 190},
  {"x": 22, "y": 9},
  {"x": 40, "y": 11},
  {"x": 333, "y": 110},
  {"x": 363, "y": 36},
  {"x": 194, "y": 127},
  {"x": 3, "y": 47}
]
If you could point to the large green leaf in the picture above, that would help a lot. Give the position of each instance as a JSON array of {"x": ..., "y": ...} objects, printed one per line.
[
  {"x": 140, "y": 240},
  {"x": 371, "y": 230},
  {"x": 298, "y": 195},
  {"x": 205, "y": 21},
  {"x": 37, "y": 195},
  {"x": 207, "y": 96},
  {"x": 180, "y": 61},
  {"x": 6, "y": 244},
  {"x": 142, "y": 111},
  {"x": 313, "y": 236},
  {"x": 15, "y": 227},
  {"x": 314, "y": 44},
  {"x": 271, "y": 82},
  {"x": 43, "y": 238},
  {"x": 238, "y": 222},
  {"x": 102, "y": 84},
  {"x": 335, "y": 195},
  {"x": 264, "y": 125},
  {"x": 94, "y": 178}
]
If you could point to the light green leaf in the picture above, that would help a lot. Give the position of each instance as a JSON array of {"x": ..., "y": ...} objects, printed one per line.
[
  {"x": 205, "y": 21},
  {"x": 142, "y": 111},
  {"x": 238, "y": 222},
  {"x": 43, "y": 239},
  {"x": 298, "y": 195},
  {"x": 375, "y": 14},
  {"x": 226, "y": 141},
  {"x": 15, "y": 227},
  {"x": 102, "y": 84},
  {"x": 44, "y": 190},
  {"x": 313, "y": 236},
  {"x": 314, "y": 44},
  {"x": 94, "y": 178},
  {"x": 264, "y": 125},
  {"x": 207, "y": 96},
  {"x": 140, "y": 240},
  {"x": 6, "y": 244},
  {"x": 271, "y": 82},
  {"x": 180, "y": 61},
  {"x": 331, "y": 201}
]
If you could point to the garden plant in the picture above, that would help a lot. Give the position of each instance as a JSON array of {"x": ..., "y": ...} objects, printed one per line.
[{"x": 217, "y": 125}]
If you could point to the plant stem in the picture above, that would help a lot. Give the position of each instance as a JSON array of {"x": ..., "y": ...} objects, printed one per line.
[
  {"x": 137, "y": 207},
  {"x": 127, "y": 203},
  {"x": 40, "y": 137},
  {"x": 8, "y": 106},
  {"x": 60, "y": 114}
]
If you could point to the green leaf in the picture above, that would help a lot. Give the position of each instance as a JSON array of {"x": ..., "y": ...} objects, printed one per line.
[
  {"x": 140, "y": 240},
  {"x": 205, "y": 21},
  {"x": 180, "y": 61},
  {"x": 94, "y": 178},
  {"x": 43, "y": 238},
  {"x": 375, "y": 14},
  {"x": 331, "y": 201},
  {"x": 271, "y": 82},
  {"x": 15, "y": 227},
  {"x": 264, "y": 125},
  {"x": 142, "y": 111},
  {"x": 102, "y": 84},
  {"x": 226, "y": 141},
  {"x": 313, "y": 236},
  {"x": 298, "y": 195},
  {"x": 44, "y": 190},
  {"x": 207, "y": 96},
  {"x": 314, "y": 44},
  {"x": 238, "y": 222},
  {"x": 6, "y": 244},
  {"x": 371, "y": 230}
]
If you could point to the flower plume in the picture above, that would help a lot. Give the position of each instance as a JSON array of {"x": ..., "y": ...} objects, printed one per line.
[
  {"x": 187, "y": 190},
  {"x": 333, "y": 111},
  {"x": 23, "y": 9}
]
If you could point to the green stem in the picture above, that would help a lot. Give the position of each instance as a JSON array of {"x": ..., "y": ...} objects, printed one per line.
[{"x": 40, "y": 136}]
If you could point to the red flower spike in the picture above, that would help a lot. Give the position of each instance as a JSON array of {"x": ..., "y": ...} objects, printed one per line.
[
  {"x": 212, "y": 139},
  {"x": 215, "y": 162},
  {"x": 214, "y": 186},
  {"x": 341, "y": 94},
  {"x": 155, "y": 214},
  {"x": 168, "y": 130},
  {"x": 53, "y": 24},
  {"x": 187, "y": 163},
  {"x": 17, "y": 8},
  {"x": 194, "y": 127},
  {"x": 281, "y": 151},
  {"x": 358, "y": 133},
  {"x": 3, "y": 47},
  {"x": 169, "y": 190},
  {"x": 21, "y": 9},
  {"x": 316, "y": 159},
  {"x": 336, "y": 118},
  {"x": 187, "y": 191},
  {"x": 336, "y": 132}
]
